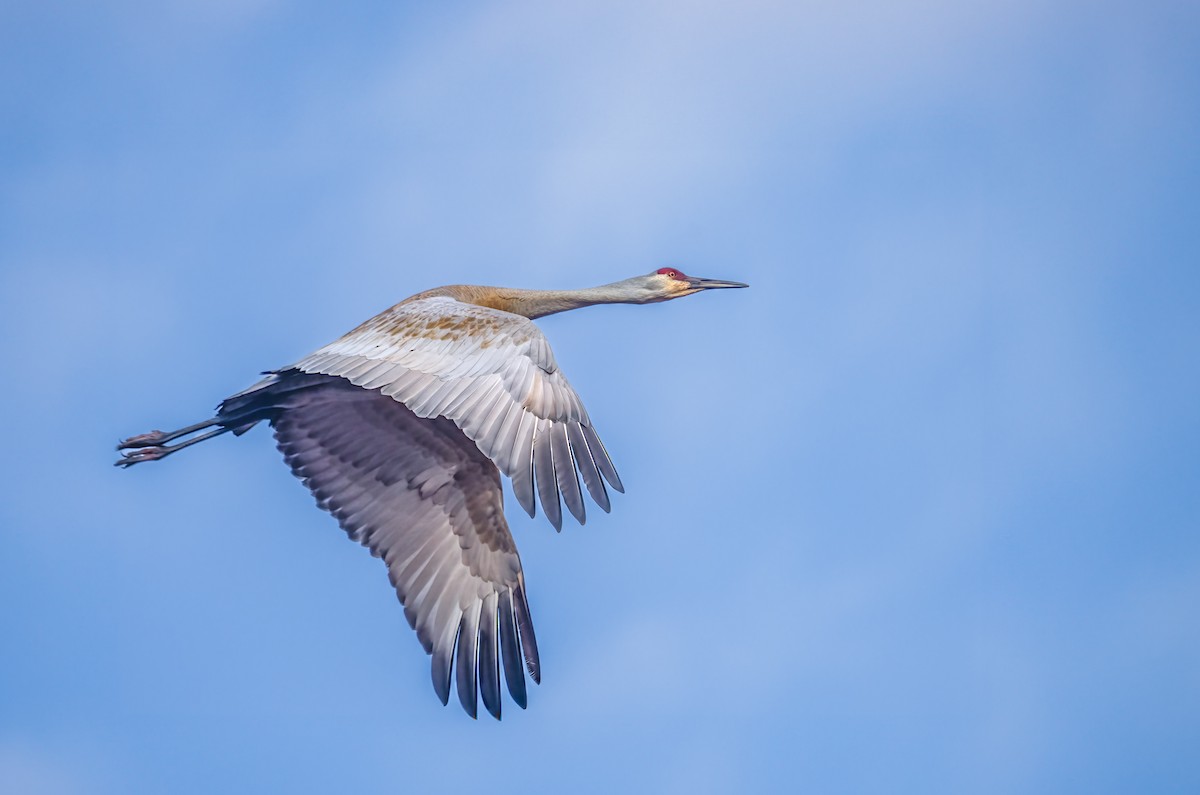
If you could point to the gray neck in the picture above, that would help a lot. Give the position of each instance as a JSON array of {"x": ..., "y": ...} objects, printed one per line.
[{"x": 539, "y": 303}]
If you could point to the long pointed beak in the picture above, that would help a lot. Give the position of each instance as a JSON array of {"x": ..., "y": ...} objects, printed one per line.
[{"x": 712, "y": 284}]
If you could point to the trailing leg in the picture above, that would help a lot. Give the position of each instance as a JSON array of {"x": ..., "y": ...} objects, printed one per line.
[
  {"x": 238, "y": 413},
  {"x": 149, "y": 447}
]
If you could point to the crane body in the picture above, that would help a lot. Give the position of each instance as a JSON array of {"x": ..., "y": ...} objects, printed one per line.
[{"x": 402, "y": 429}]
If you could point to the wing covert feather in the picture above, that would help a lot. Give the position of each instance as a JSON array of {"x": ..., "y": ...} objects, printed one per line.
[{"x": 492, "y": 374}]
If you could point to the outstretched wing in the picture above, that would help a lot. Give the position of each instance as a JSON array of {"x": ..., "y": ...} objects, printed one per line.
[
  {"x": 492, "y": 373},
  {"x": 420, "y": 495}
]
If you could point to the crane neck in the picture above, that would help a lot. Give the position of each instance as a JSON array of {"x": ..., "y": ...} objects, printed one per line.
[{"x": 540, "y": 303}]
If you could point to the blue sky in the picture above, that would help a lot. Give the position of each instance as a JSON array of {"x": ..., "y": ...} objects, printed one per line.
[{"x": 916, "y": 512}]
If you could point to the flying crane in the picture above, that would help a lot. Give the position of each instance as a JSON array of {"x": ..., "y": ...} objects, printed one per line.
[{"x": 401, "y": 429}]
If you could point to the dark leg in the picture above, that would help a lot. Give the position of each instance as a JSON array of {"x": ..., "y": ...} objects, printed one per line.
[
  {"x": 148, "y": 451},
  {"x": 239, "y": 413},
  {"x": 154, "y": 438}
]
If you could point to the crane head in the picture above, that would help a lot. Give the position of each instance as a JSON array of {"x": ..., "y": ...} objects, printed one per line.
[{"x": 673, "y": 283}]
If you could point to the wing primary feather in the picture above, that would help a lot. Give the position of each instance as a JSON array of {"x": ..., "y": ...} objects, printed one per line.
[
  {"x": 443, "y": 656},
  {"x": 510, "y": 649},
  {"x": 525, "y": 626},
  {"x": 564, "y": 472},
  {"x": 522, "y": 483},
  {"x": 468, "y": 663},
  {"x": 489, "y": 660},
  {"x": 587, "y": 466},
  {"x": 543, "y": 465},
  {"x": 521, "y": 463},
  {"x": 600, "y": 456}
]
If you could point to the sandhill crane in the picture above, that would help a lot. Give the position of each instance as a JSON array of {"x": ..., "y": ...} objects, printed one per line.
[{"x": 402, "y": 428}]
